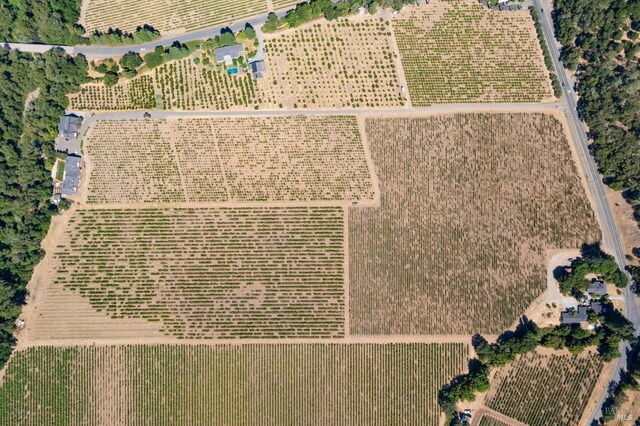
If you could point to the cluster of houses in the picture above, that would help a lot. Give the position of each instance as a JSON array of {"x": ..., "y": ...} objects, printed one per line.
[
  {"x": 229, "y": 55},
  {"x": 580, "y": 315},
  {"x": 68, "y": 142}
]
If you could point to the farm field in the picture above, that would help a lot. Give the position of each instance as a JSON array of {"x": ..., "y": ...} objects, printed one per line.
[
  {"x": 311, "y": 384},
  {"x": 539, "y": 387},
  {"x": 200, "y": 273},
  {"x": 487, "y": 420},
  {"x": 167, "y": 16},
  {"x": 137, "y": 93},
  {"x": 278, "y": 158},
  {"x": 348, "y": 63},
  {"x": 469, "y": 205},
  {"x": 459, "y": 51}
]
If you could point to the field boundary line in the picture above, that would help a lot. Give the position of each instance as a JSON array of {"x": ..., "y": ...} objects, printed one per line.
[
  {"x": 345, "y": 247},
  {"x": 347, "y": 340},
  {"x": 402, "y": 78},
  {"x": 362, "y": 128}
]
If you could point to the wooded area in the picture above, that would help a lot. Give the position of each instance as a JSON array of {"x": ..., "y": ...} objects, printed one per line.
[
  {"x": 600, "y": 42},
  {"x": 26, "y": 154}
]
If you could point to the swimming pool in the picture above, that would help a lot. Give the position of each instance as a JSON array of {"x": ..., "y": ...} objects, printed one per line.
[{"x": 232, "y": 71}]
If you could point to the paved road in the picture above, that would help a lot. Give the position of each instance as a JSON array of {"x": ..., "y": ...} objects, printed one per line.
[
  {"x": 98, "y": 52},
  {"x": 610, "y": 231}
]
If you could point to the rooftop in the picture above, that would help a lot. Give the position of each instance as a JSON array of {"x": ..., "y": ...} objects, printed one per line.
[
  {"x": 575, "y": 317},
  {"x": 597, "y": 287},
  {"x": 257, "y": 68},
  {"x": 72, "y": 172},
  {"x": 228, "y": 52},
  {"x": 68, "y": 127}
]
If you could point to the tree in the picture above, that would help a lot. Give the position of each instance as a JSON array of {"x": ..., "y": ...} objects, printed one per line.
[
  {"x": 272, "y": 23},
  {"x": 110, "y": 79},
  {"x": 131, "y": 61}
]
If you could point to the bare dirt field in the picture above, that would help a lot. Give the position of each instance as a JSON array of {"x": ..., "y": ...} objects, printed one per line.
[
  {"x": 295, "y": 158},
  {"x": 628, "y": 226},
  {"x": 460, "y": 51},
  {"x": 194, "y": 273},
  {"x": 167, "y": 16},
  {"x": 542, "y": 389},
  {"x": 311, "y": 384},
  {"x": 470, "y": 203}
]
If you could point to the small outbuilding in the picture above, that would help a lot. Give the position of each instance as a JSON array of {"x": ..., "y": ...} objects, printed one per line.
[
  {"x": 598, "y": 308},
  {"x": 68, "y": 126},
  {"x": 72, "y": 174},
  {"x": 257, "y": 68}
]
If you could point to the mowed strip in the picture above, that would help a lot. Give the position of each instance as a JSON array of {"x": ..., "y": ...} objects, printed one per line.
[
  {"x": 198, "y": 273},
  {"x": 238, "y": 159},
  {"x": 310, "y": 384},
  {"x": 459, "y": 51},
  {"x": 470, "y": 203}
]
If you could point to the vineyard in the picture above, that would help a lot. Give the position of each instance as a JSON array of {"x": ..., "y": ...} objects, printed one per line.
[
  {"x": 311, "y": 384},
  {"x": 292, "y": 158},
  {"x": 167, "y": 15},
  {"x": 343, "y": 64},
  {"x": 487, "y": 420},
  {"x": 537, "y": 388},
  {"x": 138, "y": 93},
  {"x": 189, "y": 84},
  {"x": 469, "y": 205},
  {"x": 208, "y": 273},
  {"x": 459, "y": 51}
]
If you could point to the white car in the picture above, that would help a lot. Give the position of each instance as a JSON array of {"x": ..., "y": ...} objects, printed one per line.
[{"x": 142, "y": 49}]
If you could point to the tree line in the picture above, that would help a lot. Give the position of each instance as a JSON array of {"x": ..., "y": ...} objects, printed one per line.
[
  {"x": 26, "y": 157},
  {"x": 307, "y": 11},
  {"x": 600, "y": 42}
]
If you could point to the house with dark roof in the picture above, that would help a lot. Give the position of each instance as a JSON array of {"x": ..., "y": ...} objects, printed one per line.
[
  {"x": 597, "y": 288},
  {"x": 257, "y": 68},
  {"x": 68, "y": 126},
  {"x": 72, "y": 174},
  {"x": 598, "y": 308},
  {"x": 227, "y": 54},
  {"x": 577, "y": 316}
]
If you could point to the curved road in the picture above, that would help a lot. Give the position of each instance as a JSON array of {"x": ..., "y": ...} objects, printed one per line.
[{"x": 610, "y": 231}]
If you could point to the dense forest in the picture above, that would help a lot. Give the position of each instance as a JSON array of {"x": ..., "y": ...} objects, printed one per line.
[
  {"x": 600, "y": 42},
  {"x": 26, "y": 151}
]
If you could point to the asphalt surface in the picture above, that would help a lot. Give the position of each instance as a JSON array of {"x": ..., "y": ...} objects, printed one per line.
[{"x": 610, "y": 230}]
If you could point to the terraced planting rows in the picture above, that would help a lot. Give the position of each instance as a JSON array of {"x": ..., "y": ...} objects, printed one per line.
[
  {"x": 487, "y": 420},
  {"x": 138, "y": 93},
  {"x": 311, "y": 384},
  {"x": 209, "y": 273},
  {"x": 294, "y": 158},
  {"x": 537, "y": 388},
  {"x": 167, "y": 15},
  {"x": 469, "y": 205},
  {"x": 460, "y": 51},
  {"x": 343, "y": 64}
]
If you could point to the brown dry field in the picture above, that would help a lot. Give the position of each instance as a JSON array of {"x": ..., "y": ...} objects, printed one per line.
[
  {"x": 460, "y": 51},
  {"x": 470, "y": 203},
  {"x": 244, "y": 159},
  {"x": 542, "y": 388}
]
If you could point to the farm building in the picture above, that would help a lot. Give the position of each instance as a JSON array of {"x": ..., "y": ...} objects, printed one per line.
[
  {"x": 257, "y": 68},
  {"x": 597, "y": 288},
  {"x": 72, "y": 173},
  {"x": 227, "y": 54},
  {"x": 575, "y": 317},
  {"x": 68, "y": 127}
]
